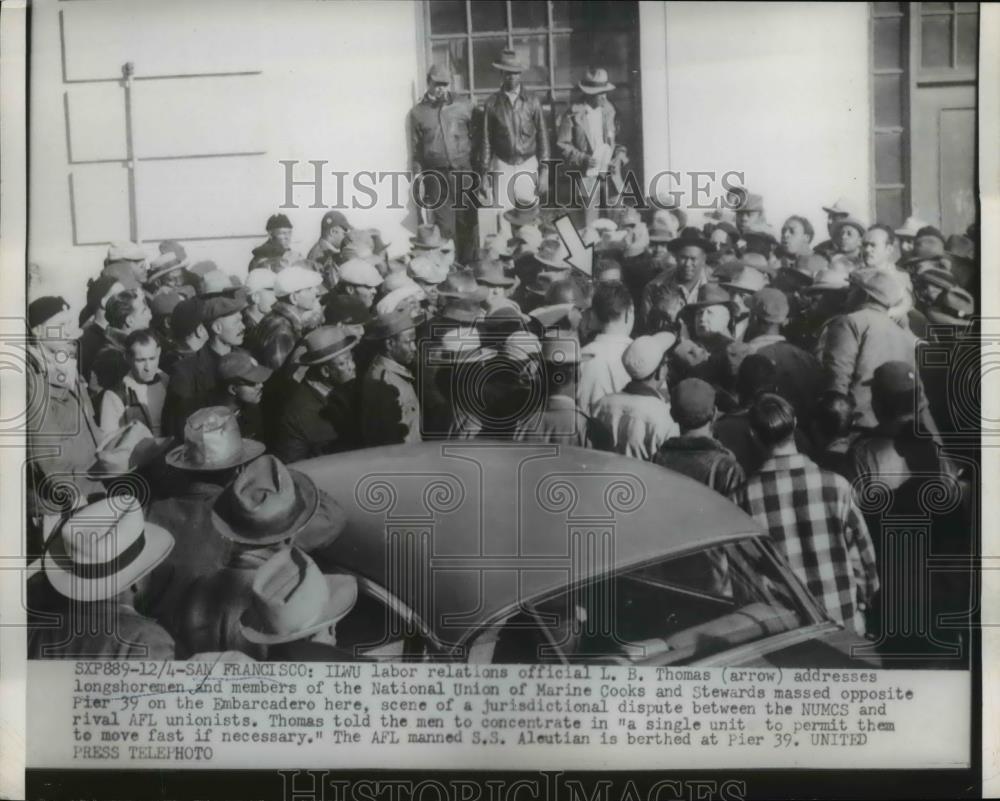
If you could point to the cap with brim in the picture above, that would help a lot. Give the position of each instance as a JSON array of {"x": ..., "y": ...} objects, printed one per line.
[
  {"x": 930, "y": 230},
  {"x": 92, "y": 580},
  {"x": 711, "y": 295},
  {"x": 745, "y": 279},
  {"x": 659, "y": 235},
  {"x": 428, "y": 238},
  {"x": 828, "y": 280},
  {"x": 342, "y": 594},
  {"x": 490, "y": 273},
  {"x": 164, "y": 264},
  {"x": 323, "y": 345},
  {"x": 244, "y": 530},
  {"x": 508, "y": 62},
  {"x": 841, "y": 206},
  {"x": 595, "y": 82},
  {"x": 215, "y": 307},
  {"x": 393, "y": 323},
  {"x": 853, "y": 222},
  {"x": 249, "y": 450},
  {"x": 240, "y": 365}
]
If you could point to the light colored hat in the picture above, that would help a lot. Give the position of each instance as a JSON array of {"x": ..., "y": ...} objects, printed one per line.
[
  {"x": 325, "y": 343},
  {"x": 397, "y": 280},
  {"x": 260, "y": 278},
  {"x": 163, "y": 264},
  {"x": 595, "y": 82},
  {"x": 290, "y": 599},
  {"x": 428, "y": 238},
  {"x": 428, "y": 270},
  {"x": 214, "y": 282},
  {"x": 553, "y": 253},
  {"x": 853, "y": 222},
  {"x": 879, "y": 285},
  {"x": 266, "y": 503},
  {"x": 491, "y": 273},
  {"x": 461, "y": 346},
  {"x": 295, "y": 279},
  {"x": 830, "y": 279},
  {"x": 508, "y": 62},
  {"x": 604, "y": 224},
  {"x": 842, "y": 206},
  {"x": 748, "y": 279},
  {"x": 521, "y": 346},
  {"x": 642, "y": 358},
  {"x": 125, "y": 251},
  {"x": 530, "y": 235},
  {"x": 130, "y": 447},
  {"x": 212, "y": 441},
  {"x": 360, "y": 273},
  {"x": 397, "y": 296},
  {"x": 103, "y": 548}
]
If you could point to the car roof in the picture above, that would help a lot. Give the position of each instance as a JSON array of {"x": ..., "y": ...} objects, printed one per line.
[{"x": 459, "y": 531}]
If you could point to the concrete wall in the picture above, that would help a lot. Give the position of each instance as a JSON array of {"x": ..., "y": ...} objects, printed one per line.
[
  {"x": 777, "y": 91},
  {"x": 239, "y": 84}
]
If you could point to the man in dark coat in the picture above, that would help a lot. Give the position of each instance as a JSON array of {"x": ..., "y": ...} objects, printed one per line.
[
  {"x": 319, "y": 415},
  {"x": 326, "y": 251}
]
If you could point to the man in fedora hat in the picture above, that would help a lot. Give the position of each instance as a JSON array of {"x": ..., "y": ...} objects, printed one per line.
[
  {"x": 513, "y": 141},
  {"x": 741, "y": 287},
  {"x": 856, "y": 343},
  {"x": 586, "y": 139},
  {"x": 560, "y": 420},
  {"x": 440, "y": 128},
  {"x": 390, "y": 408},
  {"x": 319, "y": 414},
  {"x": 710, "y": 318},
  {"x": 294, "y": 610},
  {"x": 496, "y": 284},
  {"x": 212, "y": 454},
  {"x": 194, "y": 381},
  {"x": 265, "y": 508},
  {"x": 95, "y": 573},
  {"x": 689, "y": 250},
  {"x": 821, "y": 301},
  {"x": 839, "y": 210}
]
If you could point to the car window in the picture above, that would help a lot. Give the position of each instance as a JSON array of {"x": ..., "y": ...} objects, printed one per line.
[
  {"x": 379, "y": 629},
  {"x": 672, "y": 611}
]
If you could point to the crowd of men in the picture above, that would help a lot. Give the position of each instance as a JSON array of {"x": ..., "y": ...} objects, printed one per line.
[{"x": 170, "y": 411}]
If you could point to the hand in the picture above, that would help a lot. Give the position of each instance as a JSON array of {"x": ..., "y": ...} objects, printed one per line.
[{"x": 591, "y": 162}]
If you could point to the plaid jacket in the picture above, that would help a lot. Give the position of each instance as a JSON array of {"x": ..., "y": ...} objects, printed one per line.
[{"x": 817, "y": 527}]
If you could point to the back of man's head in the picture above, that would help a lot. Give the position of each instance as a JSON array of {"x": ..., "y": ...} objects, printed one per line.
[
  {"x": 692, "y": 403},
  {"x": 612, "y": 302},
  {"x": 119, "y": 307},
  {"x": 756, "y": 374},
  {"x": 834, "y": 415},
  {"x": 772, "y": 420}
]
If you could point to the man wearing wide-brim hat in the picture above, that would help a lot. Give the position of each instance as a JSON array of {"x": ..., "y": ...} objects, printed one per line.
[
  {"x": 212, "y": 454},
  {"x": 586, "y": 140},
  {"x": 96, "y": 564},
  {"x": 848, "y": 237},
  {"x": 294, "y": 610},
  {"x": 264, "y": 509},
  {"x": 838, "y": 210},
  {"x": 319, "y": 414},
  {"x": 825, "y": 298},
  {"x": 440, "y": 128},
  {"x": 961, "y": 252},
  {"x": 689, "y": 250},
  {"x": 390, "y": 408},
  {"x": 854, "y": 344},
  {"x": 710, "y": 319},
  {"x": 513, "y": 139}
]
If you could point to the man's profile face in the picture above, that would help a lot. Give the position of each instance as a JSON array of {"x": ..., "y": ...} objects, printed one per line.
[
  {"x": 876, "y": 249},
  {"x": 141, "y": 315},
  {"x": 690, "y": 263},
  {"x": 366, "y": 293},
  {"x": 336, "y": 235},
  {"x": 145, "y": 362},
  {"x": 711, "y": 320},
  {"x": 793, "y": 236},
  {"x": 403, "y": 347},
  {"x": 341, "y": 369},
  {"x": 247, "y": 393},
  {"x": 230, "y": 329}
]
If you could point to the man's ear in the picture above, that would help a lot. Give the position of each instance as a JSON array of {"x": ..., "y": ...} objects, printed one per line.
[{"x": 231, "y": 389}]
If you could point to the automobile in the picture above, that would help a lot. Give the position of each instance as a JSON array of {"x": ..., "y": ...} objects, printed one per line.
[{"x": 523, "y": 553}]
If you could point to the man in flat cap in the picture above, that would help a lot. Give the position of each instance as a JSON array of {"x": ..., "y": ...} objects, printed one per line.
[
  {"x": 241, "y": 388},
  {"x": 390, "y": 408},
  {"x": 441, "y": 143},
  {"x": 332, "y": 229},
  {"x": 278, "y": 245},
  {"x": 514, "y": 139},
  {"x": 296, "y": 311},
  {"x": 194, "y": 382},
  {"x": 587, "y": 142}
]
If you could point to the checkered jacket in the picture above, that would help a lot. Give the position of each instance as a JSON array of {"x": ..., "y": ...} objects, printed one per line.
[{"x": 817, "y": 527}]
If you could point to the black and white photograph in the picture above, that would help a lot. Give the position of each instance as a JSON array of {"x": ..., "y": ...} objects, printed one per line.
[{"x": 498, "y": 385}]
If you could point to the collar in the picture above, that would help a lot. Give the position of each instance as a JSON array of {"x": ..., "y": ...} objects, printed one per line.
[
  {"x": 391, "y": 366},
  {"x": 605, "y": 337},
  {"x": 765, "y": 339},
  {"x": 161, "y": 378},
  {"x": 320, "y": 389},
  {"x": 687, "y": 442},
  {"x": 635, "y": 387},
  {"x": 788, "y": 461},
  {"x": 254, "y": 315}
]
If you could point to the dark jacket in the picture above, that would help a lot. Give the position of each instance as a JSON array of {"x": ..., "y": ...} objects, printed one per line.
[
  {"x": 93, "y": 338},
  {"x": 704, "y": 459},
  {"x": 310, "y": 425},
  {"x": 799, "y": 377},
  {"x": 441, "y": 134},
  {"x": 81, "y": 632},
  {"x": 194, "y": 384},
  {"x": 513, "y": 133}
]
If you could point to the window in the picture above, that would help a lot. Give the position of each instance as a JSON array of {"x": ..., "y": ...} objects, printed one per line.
[
  {"x": 890, "y": 55},
  {"x": 557, "y": 40}
]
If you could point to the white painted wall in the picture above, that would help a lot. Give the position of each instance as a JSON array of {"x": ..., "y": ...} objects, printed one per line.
[
  {"x": 336, "y": 80},
  {"x": 778, "y": 91}
]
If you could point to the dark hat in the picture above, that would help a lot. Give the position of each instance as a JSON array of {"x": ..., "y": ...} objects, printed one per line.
[
  {"x": 277, "y": 221},
  {"x": 523, "y": 215},
  {"x": 332, "y": 218},
  {"x": 222, "y": 306},
  {"x": 391, "y": 324},
  {"x": 689, "y": 237},
  {"x": 170, "y": 246},
  {"x": 935, "y": 276},
  {"x": 265, "y": 504},
  {"x": 894, "y": 384},
  {"x": 490, "y": 273},
  {"x": 595, "y": 82},
  {"x": 508, "y": 62},
  {"x": 960, "y": 247},
  {"x": 461, "y": 309},
  {"x": 712, "y": 295},
  {"x": 202, "y": 268},
  {"x": 692, "y": 402},
  {"x": 460, "y": 284},
  {"x": 880, "y": 286},
  {"x": 97, "y": 289},
  {"x": 325, "y": 343},
  {"x": 41, "y": 310},
  {"x": 438, "y": 73},
  {"x": 930, "y": 230},
  {"x": 769, "y": 305},
  {"x": 164, "y": 303},
  {"x": 722, "y": 225},
  {"x": 238, "y": 365},
  {"x": 760, "y": 233},
  {"x": 346, "y": 310},
  {"x": 122, "y": 271},
  {"x": 912, "y": 263},
  {"x": 954, "y": 306},
  {"x": 853, "y": 222},
  {"x": 186, "y": 317}
]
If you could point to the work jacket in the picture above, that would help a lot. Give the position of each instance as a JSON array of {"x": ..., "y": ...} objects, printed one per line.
[
  {"x": 513, "y": 133},
  {"x": 441, "y": 134}
]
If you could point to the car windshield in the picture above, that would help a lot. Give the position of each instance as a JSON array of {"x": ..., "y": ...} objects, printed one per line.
[{"x": 674, "y": 611}]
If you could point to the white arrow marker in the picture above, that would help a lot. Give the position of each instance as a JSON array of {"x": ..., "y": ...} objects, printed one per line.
[{"x": 580, "y": 255}]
